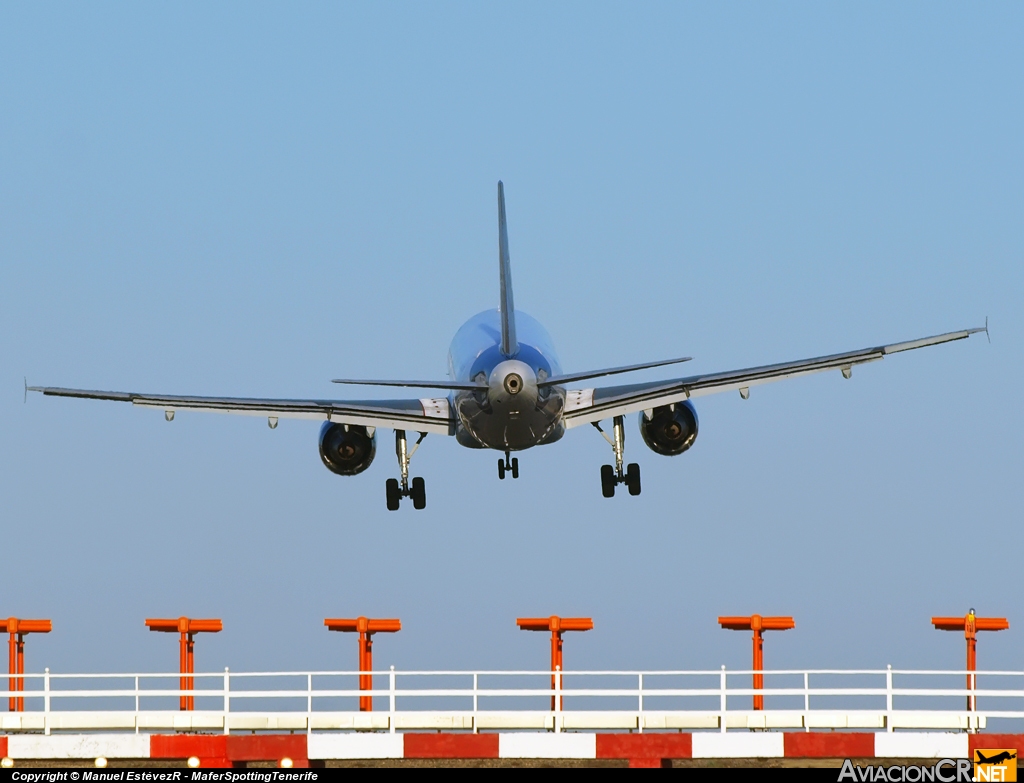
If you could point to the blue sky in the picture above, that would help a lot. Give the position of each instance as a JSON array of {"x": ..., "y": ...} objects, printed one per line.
[{"x": 252, "y": 199}]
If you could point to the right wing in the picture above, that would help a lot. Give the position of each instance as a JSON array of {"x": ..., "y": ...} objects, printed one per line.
[
  {"x": 425, "y": 415},
  {"x": 584, "y": 406}
]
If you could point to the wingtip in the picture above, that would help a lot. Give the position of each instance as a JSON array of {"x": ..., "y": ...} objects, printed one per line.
[
  {"x": 32, "y": 389},
  {"x": 979, "y": 329}
]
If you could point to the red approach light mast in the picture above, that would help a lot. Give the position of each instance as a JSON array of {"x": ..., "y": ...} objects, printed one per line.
[
  {"x": 757, "y": 624},
  {"x": 17, "y": 628},
  {"x": 970, "y": 624},
  {"x": 188, "y": 628},
  {"x": 557, "y": 625},
  {"x": 365, "y": 627}
]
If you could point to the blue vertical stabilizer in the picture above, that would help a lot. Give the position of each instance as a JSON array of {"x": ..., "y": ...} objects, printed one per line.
[{"x": 509, "y": 345}]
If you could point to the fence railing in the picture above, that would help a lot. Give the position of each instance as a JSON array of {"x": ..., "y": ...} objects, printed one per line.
[{"x": 882, "y": 700}]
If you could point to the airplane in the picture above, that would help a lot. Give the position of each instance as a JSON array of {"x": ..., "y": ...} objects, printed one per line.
[
  {"x": 1005, "y": 755},
  {"x": 506, "y": 391}
]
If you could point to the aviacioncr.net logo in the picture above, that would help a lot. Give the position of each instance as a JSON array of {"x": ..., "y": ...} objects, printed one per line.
[{"x": 942, "y": 771}]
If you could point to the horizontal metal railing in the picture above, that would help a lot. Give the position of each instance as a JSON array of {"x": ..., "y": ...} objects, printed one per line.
[{"x": 884, "y": 699}]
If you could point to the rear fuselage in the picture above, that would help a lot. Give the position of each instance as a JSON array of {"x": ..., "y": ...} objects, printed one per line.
[{"x": 512, "y": 413}]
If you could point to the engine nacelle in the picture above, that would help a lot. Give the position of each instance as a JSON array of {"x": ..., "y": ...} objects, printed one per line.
[
  {"x": 671, "y": 430},
  {"x": 347, "y": 449}
]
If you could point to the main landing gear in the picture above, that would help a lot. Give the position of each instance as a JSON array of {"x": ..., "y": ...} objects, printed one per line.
[
  {"x": 611, "y": 476},
  {"x": 508, "y": 466},
  {"x": 418, "y": 490}
]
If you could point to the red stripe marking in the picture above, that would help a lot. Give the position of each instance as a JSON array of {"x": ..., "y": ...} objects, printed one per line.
[
  {"x": 644, "y": 746},
  {"x": 218, "y": 763},
  {"x": 212, "y": 749},
  {"x": 996, "y": 741},
  {"x": 833, "y": 745},
  {"x": 648, "y": 763},
  {"x": 182, "y": 746},
  {"x": 3, "y": 746},
  {"x": 267, "y": 747},
  {"x": 451, "y": 746}
]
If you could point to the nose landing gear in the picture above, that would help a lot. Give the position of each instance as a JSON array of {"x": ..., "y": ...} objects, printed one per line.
[
  {"x": 508, "y": 466},
  {"x": 395, "y": 491},
  {"x": 611, "y": 476}
]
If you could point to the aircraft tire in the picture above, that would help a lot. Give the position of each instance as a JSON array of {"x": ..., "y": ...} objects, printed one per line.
[
  {"x": 633, "y": 478},
  {"x": 501, "y": 469},
  {"x": 608, "y": 481},
  {"x": 419, "y": 494},
  {"x": 394, "y": 494},
  {"x": 515, "y": 467}
]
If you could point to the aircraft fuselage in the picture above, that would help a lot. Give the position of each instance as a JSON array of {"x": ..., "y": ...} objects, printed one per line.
[{"x": 513, "y": 413}]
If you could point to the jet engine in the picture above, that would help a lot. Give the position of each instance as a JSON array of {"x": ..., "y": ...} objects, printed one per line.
[
  {"x": 347, "y": 449},
  {"x": 671, "y": 429}
]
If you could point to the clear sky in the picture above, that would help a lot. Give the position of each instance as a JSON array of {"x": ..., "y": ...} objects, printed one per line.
[{"x": 251, "y": 199}]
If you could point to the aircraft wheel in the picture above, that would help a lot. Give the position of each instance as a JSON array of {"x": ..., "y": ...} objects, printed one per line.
[
  {"x": 419, "y": 493},
  {"x": 515, "y": 467},
  {"x": 501, "y": 469},
  {"x": 633, "y": 478},
  {"x": 394, "y": 494},
  {"x": 608, "y": 481}
]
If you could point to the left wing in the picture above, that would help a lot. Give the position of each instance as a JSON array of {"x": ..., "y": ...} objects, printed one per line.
[
  {"x": 425, "y": 415},
  {"x": 584, "y": 406}
]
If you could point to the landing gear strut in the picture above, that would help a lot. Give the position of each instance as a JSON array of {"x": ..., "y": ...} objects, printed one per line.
[
  {"x": 418, "y": 490},
  {"x": 508, "y": 466},
  {"x": 610, "y": 476}
]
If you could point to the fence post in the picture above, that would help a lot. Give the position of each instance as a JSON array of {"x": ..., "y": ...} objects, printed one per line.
[
  {"x": 888, "y": 698},
  {"x": 558, "y": 699},
  {"x": 391, "y": 699},
  {"x": 136, "y": 704},
  {"x": 227, "y": 699},
  {"x": 722, "y": 706},
  {"x": 309, "y": 704},
  {"x": 807, "y": 699},
  {"x": 476, "y": 730},
  {"x": 974, "y": 704},
  {"x": 640, "y": 701},
  {"x": 46, "y": 699}
]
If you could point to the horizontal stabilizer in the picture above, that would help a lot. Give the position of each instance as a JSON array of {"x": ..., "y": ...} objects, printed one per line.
[
  {"x": 558, "y": 380},
  {"x": 461, "y": 386}
]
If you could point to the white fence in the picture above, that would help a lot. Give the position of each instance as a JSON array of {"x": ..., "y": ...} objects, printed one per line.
[{"x": 716, "y": 700}]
